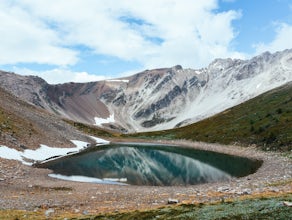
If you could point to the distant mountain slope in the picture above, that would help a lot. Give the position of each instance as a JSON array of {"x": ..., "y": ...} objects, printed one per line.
[
  {"x": 265, "y": 121},
  {"x": 23, "y": 126},
  {"x": 157, "y": 99}
]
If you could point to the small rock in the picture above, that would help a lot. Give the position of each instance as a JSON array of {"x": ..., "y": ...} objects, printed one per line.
[
  {"x": 172, "y": 201},
  {"x": 223, "y": 189},
  {"x": 155, "y": 202},
  {"x": 246, "y": 191},
  {"x": 49, "y": 212},
  {"x": 286, "y": 203},
  {"x": 85, "y": 212},
  {"x": 274, "y": 189},
  {"x": 232, "y": 191}
]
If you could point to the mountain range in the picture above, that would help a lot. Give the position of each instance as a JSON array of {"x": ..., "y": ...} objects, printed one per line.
[{"x": 156, "y": 99}]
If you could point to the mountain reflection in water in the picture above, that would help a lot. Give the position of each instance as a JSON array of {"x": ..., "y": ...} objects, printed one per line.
[
  {"x": 141, "y": 165},
  {"x": 155, "y": 167}
]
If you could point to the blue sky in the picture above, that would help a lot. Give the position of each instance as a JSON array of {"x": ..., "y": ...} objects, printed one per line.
[
  {"x": 88, "y": 40},
  {"x": 259, "y": 21}
]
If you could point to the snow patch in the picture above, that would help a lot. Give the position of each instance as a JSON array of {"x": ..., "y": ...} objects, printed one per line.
[
  {"x": 99, "y": 140},
  {"x": 100, "y": 121},
  {"x": 259, "y": 85},
  {"x": 10, "y": 154},
  {"x": 89, "y": 179},
  {"x": 116, "y": 179},
  {"x": 44, "y": 152},
  {"x": 118, "y": 80}
]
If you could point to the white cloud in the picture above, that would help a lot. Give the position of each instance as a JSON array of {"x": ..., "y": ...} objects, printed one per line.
[
  {"x": 24, "y": 38},
  {"x": 86, "y": 77},
  {"x": 229, "y": 0},
  {"x": 154, "y": 33},
  {"x": 208, "y": 38},
  {"x": 56, "y": 75},
  {"x": 193, "y": 34},
  {"x": 281, "y": 41}
]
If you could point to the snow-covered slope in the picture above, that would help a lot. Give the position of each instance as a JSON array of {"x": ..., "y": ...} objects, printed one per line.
[
  {"x": 157, "y": 99},
  {"x": 166, "y": 98},
  {"x": 231, "y": 82}
]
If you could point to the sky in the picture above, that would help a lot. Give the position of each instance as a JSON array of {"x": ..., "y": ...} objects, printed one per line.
[{"x": 89, "y": 40}]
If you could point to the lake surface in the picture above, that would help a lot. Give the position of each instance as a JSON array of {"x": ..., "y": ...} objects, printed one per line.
[{"x": 158, "y": 165}]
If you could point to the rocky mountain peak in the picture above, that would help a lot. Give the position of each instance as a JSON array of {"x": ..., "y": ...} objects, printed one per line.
[
  {"x": 159, "y": 98},
  {"x": 220, "y": 64}
]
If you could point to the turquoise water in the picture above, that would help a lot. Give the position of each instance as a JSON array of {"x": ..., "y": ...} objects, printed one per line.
[{"x": 158, "y": 165}]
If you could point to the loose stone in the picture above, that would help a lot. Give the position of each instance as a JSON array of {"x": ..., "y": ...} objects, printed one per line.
[{"x": 172, "y": 201}]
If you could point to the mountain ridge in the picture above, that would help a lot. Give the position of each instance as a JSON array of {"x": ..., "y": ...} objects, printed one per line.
[
  {"x": 157, "y": 99},
  {"x": 264, "y": 121}
]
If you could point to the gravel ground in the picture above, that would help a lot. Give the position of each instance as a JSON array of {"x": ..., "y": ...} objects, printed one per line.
[{"x": 27, "y": 188}]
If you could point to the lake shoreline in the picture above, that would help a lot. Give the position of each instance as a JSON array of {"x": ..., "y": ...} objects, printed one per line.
[
  {"x": 27, "y": 188},
  {"x": 152, "y": 164}
]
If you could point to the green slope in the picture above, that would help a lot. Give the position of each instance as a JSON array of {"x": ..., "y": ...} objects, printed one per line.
[
  {"x": 261, "y": 208},
  {"x": 92, "y": 129},
  {"x": 265, "y": 121}
]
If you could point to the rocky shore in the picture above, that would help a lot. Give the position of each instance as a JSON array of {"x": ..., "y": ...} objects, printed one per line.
[{"x": 26, "y": 188}]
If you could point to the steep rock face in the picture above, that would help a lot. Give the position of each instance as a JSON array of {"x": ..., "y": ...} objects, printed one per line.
[
  {"x": 28, "y": 88},
  {"x": 154, "y": 97},
  {"x": 157, "y": 99}
]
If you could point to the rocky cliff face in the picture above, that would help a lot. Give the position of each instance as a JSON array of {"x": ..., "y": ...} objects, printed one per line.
[{"x": 157, "y": 99}]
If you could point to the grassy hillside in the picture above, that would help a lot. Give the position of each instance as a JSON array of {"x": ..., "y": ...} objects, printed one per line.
[
  {"x": 261, "y": 208},
  {"x": 15, "y": 130},
  {"x": 23, "y": 125},
  {"x": 253, "y": 208},
  {"x": 265, "y": 121},
  {"x": 92, "y": 129}
]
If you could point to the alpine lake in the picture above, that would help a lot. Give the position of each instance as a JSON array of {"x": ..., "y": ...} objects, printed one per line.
[{"x": 152, "y": 165}]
